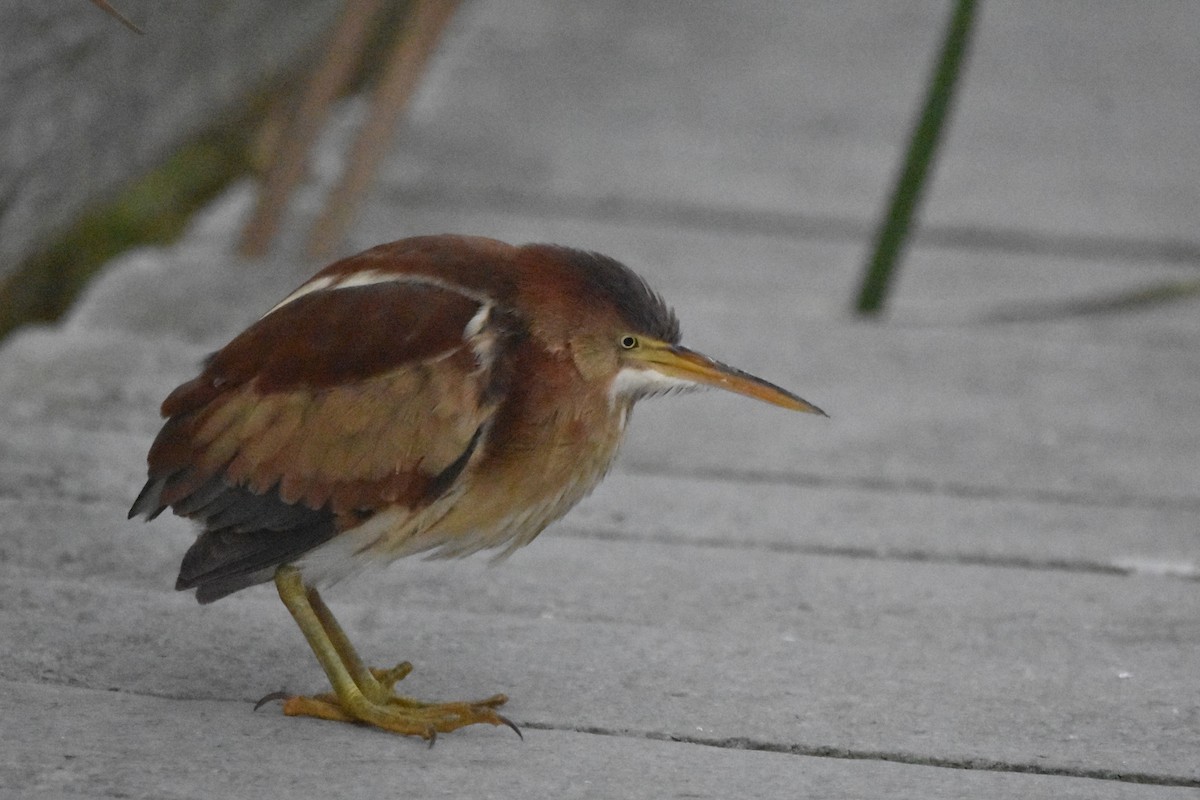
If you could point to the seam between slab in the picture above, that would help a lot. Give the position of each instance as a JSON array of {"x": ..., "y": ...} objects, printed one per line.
[
  {"x": 899, "y": 757},
  {"x": 1179, "y": 571},
  {"x": 776, "y": 223},
  {"x": 917, "y": 485}
]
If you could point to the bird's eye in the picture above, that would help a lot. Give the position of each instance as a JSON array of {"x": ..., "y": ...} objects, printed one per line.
[{"x": 629, "y": 342}]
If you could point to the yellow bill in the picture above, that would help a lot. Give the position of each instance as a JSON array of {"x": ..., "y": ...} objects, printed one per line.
[{"x": 678, "y": 362}]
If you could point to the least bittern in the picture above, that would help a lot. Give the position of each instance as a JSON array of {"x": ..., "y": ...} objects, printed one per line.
[{"x": 441, "y": 395}]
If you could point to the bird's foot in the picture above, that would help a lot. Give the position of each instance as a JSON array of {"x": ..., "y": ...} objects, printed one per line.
[{"x": 376, "y": 703}]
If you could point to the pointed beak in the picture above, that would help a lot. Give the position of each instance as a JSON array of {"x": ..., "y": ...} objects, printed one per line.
[{"x": 679, "y": 362}]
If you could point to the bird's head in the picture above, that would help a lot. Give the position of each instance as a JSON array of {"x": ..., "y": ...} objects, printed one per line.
[{"x": 623, "y": 335}]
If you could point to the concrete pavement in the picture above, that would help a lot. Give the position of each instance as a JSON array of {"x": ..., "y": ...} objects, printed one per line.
[{"x": 978, "y": 579}]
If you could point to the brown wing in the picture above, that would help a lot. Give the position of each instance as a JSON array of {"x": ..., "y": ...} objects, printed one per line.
[{"x": 336, "y": 405}]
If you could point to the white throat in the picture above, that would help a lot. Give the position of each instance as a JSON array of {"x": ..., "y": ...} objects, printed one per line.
[{"x": 634, "y": 383}]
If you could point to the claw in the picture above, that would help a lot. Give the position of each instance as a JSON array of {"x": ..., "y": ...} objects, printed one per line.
[
  {"x": 266, "y": 698},
  {"x": 512, "y": 725}
]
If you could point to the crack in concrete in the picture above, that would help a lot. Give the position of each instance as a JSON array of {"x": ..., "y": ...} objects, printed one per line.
[
  {"x": 899, "y": 757},
  {"x": 1181, "y": 571}
]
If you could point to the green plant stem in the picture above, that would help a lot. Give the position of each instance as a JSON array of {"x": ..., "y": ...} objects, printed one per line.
[{"x": 922, "y": 147}]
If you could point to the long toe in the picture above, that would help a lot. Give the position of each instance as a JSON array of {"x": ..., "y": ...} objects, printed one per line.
[
  {"x": 416, "y": 719},
  {"x": 397, "y": 713}
]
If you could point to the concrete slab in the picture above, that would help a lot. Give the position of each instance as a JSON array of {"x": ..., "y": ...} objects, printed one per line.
[
  {"x": 55, "y": 462},
  {"x": 889, "y": 522},
  {"x": 1074, "y": 120},
  {"x": 93, "y": 380},
  {"x": 117, "y": 744},
  {"x": 942, "y": 410},
  {"x": 1079, "y": 672}
]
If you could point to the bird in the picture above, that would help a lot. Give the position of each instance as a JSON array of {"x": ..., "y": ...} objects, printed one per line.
[{"x": 436, "y": 395}]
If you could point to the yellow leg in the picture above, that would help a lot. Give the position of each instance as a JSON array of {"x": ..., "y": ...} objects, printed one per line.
[
  {"x": 361, "y": 694},
  {"x": 375, "y": 684}
]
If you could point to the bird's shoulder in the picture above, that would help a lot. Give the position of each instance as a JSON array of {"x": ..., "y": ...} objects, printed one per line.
[{"x": 337, "y": 336}]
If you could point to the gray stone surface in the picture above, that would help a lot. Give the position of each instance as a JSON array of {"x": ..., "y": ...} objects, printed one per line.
[
  {"x": 88, "y": 105},
  {"x": 1077, "y": 118},
  {"x": 977, "y": 579},
  {"x": 259, "y": 756},
  {"x": 717, "y": 644}
]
